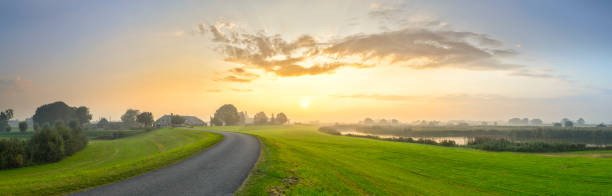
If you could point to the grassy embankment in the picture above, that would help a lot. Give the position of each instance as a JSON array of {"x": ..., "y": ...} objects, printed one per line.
[
  {"x": 107, "y": 161},
  {"x": 299, "y": 160}
]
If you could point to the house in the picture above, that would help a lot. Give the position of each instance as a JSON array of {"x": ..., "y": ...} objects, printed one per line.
[{"x": 164, "y": 121}]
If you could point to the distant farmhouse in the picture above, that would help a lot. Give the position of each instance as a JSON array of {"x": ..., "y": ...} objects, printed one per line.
[{"x": 164, "y": 121}]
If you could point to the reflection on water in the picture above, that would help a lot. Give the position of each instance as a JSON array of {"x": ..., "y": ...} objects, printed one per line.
[
  {"x": 463, "y": 140},
  {"x": 458, "y": 140}
]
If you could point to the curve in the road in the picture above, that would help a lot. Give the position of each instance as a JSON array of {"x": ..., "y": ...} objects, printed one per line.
[{"x": 219, "y": 170}]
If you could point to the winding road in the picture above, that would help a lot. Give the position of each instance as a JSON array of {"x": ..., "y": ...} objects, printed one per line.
[{"x": 218, "y": 170}]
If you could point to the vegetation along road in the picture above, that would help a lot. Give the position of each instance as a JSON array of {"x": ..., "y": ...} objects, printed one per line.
[
  {"x": 220, "y": 170},
  {"x": 107, "y": 161}
]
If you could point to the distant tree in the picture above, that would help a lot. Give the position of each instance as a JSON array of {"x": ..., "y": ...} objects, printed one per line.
[
  {"x": 382, "y": 121},
  {"x": 82, "y": 114},
  {"x": 601, "y": 125},
  {"x": 176, "y": 120},
  {"x": 272, "y": 119},
  {"x": 53, "y": 112},
  {"x": 129, "y": 117},
  {"x": 394, "y": 121},
  {"x": 483, "y": 123},
  {"x": 260, "y": 118},
  {"x": 215, "y": 122},
  {"x": 145, "y": 118},
  {"x": 228, "y": 114},
  {"x": 23, "y": 126},
  {"x": 525, "y": 121},
  {"x": 514, "y": 121},
  {"x": 281, "y": 118},
  {"x": 242, "y": 116},
  {"x": 580, "y": 122},
  {"x": 567, "y": 123},
  {"x": 4, "y": 118},
  {"x": 368, "y": 121},
  {"x": 536, "y": 121},
  {"x": 103, "y": 123},
  {"x": 557, "y": 125},
  {"x": 433, "y": 123}
]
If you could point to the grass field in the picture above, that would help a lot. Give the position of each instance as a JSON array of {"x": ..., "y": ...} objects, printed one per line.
[
  {"x": 299, "y": 160},
  {"x": 103, "y": 162}
]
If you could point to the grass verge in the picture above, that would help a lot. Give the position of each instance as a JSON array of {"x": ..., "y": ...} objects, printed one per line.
[
  {"x": 103, "y": 162},
  {"x": 299, "y": 160}
]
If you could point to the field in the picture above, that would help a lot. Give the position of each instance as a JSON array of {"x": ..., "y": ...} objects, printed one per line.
[
  {"x": 299, "y": 160},
  {"x": 106, "y": 161},
  {"x": 91, "y": 134}
]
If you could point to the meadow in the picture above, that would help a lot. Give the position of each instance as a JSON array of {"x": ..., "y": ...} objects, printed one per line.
[
  {"x": 107, "y": 161},
  {"x": 299, "y": 160}
]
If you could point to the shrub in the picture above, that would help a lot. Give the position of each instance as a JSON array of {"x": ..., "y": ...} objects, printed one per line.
[
  {"x": 329, "y": 130},
  {"x": 12, "y": 153},
  {"x": 23, "y": 126}
]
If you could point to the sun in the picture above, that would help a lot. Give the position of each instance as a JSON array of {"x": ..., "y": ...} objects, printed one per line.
[{"x": 304, "y": 104}]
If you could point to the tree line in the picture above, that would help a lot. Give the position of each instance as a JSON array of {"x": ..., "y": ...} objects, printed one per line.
[
  {"x": 49, "y": 144},
  {"x": 228, "y": 115}
]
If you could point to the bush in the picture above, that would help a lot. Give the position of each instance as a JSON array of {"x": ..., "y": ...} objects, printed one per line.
[
  {"x": 329, "y": 130},
  {"x": 12, "y": 153},
  {"x": 45, "y": 146},
  {"x": 23, "y": 126}
]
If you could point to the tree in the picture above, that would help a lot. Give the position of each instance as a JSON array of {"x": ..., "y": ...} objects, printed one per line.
[
  {"x": 368, "y": 121},
  {"x": 536, "y": 121},
  {"x": 53, "y": 112},
  {"x": 601, "y": 125},
  {"x": 580, "y": 122},
  {"x": 514, "y": 121},
  {"x": 23, "y": 126},
  {"x": 215, "y": 122},
  {"x": 567, "y": 123},
  {"x": 129, "y": 118},
  {"x": 260, "y": 118},
  {"x": 228, "y": 114},
  {"x": 272, "y": 119},
  {"x": 382, "y": 121},
  {"x": 4, "y": 118},
  {"x": 176, "y": 120},
  {"x": 103, "y": 123},
  {"x": 243, "y": 116},
  {"x": 557, "y": 125},
  {"x": 281, "y": 118},
  {"x": 394, "y": 121},
  {"x": 82, "y": 114},
  {"x": 145, "y": 118},
  {"x": 525, "y": 121}
]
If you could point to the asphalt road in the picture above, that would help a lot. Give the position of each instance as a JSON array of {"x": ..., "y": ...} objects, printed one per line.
[{"x": 219, "y": 170}]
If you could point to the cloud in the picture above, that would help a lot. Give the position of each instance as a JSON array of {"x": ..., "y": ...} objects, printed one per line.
[
  {"x": 417, "y": 48},
  {"x": 546, "y": 74},
  {"x": 12, "y": 86},
  {"x": 426, "y": 98},
  {"x": 241, "y": 90},
  {"x": 231, "y": 89}
]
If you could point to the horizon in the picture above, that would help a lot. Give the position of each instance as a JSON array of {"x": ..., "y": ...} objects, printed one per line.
[{"x": 405, "y": 60}]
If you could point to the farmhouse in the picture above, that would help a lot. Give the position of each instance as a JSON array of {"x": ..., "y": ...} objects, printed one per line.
[{"x": 164, "y": 121}]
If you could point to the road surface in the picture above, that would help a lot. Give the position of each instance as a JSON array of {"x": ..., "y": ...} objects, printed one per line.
[{"x": 219, "y": 170}]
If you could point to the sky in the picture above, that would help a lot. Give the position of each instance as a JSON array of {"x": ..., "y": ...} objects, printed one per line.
[{"x": 334, "y": 61}]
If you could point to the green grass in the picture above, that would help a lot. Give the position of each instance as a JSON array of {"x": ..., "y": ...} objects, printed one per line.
[
  {"x": 103, "y": 162},
  {"x": 15, "y": 133},
  {"x": 299, "y": 160}
]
